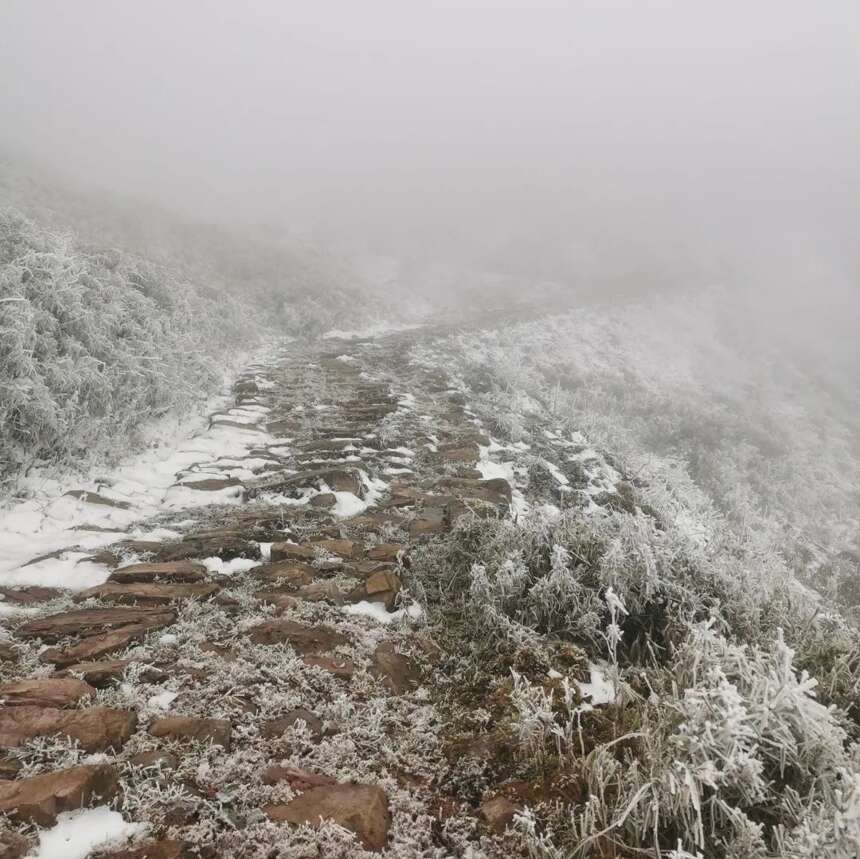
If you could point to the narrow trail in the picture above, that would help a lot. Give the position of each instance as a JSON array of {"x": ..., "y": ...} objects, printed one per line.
[{"x": 262, "y": 667}]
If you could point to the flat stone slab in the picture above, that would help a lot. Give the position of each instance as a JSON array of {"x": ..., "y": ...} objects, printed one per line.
[
  {"x": 100, "y": 673},
  {"x": 217, "y": 731},
  {"x": 94, "y": 647},
  {"x": 395, "y": 671},
  {"x": 29, "y": 595},
  {"x": 293, "y": 573},
  {"x": 276, "y": 727},
  {"x": 41, "y": 798},
  {"x": 304, "y": 639},
  {"x": 46, "y": 692},
  {"x": 97, "y": 729},
  {"x": 153, "y": 593},
  {"x": 170, "y": 571},
  {"x": 363, "y": 809},
  {"x": 91, "y": 621}
]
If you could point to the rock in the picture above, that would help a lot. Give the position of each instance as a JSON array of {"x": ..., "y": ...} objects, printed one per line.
[
  {"x": 210, "y": 484},
  {"x": 363, "y": 809},
  {"x": 460, "y": 452},
  {"x": 382, "y": 587},
  {"x": 276, "y": 727},
  {"x": 28, "y": 595},
  {"x": 496, "y": 491},
  {"x": 343, "y": 669},
  {"x": 95, "y": 498},
  {"x": 94, "y": 646},
  {"x": 99, "y": 673},
  {"x": 341, "y": 548},
  {"x": 9, "y": 768},
  {"x": 385, "y": 552},
  {"x": 397, "y": 673},
  {"x": 323, "y": 479},
  {"x": 323, "y": 501},
  {"x": 48, "y": 692},
  {"x": 298, "y": 779},
  {"x": 294, "y": 573},
  {"x": 292, "y": 552},
  {"x": 97, "y": 729},
  {"x": 432, "y": 521},
  {"x": 170, "y": 571},
  {"x": 498, "y": 813},
  {"x": 8, "y": 653},
  {"x": 151, "y": 593},
  {"x": 304, "y": 639},
  {"x": 217, "y": 731},
  {"x": 282, "y": 600},
  {"x": 320, "y": 592},
  {"x": 164, "y": 760},
  {"x": 41, "y": 798},
  {"x": 91, "y": 621},
  {"x": 154, "y": 850}
]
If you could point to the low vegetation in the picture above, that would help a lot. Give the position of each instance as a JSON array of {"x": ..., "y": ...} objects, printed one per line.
[{"x": 729, "y": 720}]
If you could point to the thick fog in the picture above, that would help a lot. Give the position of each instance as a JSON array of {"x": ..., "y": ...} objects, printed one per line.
[{"x": 654, "y": 140}]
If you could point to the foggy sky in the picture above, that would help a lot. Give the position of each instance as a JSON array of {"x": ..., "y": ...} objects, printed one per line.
[{"x": 458, "y": 125}]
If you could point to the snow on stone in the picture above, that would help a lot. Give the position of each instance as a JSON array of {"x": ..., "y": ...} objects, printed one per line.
[
  {"x": 144, "y": 485},
  {"x": 228, "y": 568},
  {"x": 599, "y": 690},
  {"x": 77, "y": 833},
  {"x": 378, "y": 612}
]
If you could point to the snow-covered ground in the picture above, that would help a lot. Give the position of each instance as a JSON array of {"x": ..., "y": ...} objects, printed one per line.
[{"x": 46, "y": 538}]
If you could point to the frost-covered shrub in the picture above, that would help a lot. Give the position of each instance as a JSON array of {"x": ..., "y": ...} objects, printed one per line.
[{"x": 93, "y": 343}]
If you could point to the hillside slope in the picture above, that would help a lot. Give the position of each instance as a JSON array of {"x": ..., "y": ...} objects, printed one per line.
[{"x": 397, "y": 585}]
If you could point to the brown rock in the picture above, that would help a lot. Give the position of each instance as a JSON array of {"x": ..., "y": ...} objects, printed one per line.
[
  {"x": 41, "y": 798},
  {"x": 211, "y": 484},
  {"x": 282, "y": 600},
  {"x": 9, "y": 768},
  {"x": 276, "y": 727},
  {"x": 91, "y": 621},
  {"x": 459, "y": 452},
  {"x": 97, "y": 729},
  {"x": 47, "y": 692},
  {"x": 323, "y": 501},
  {"x": 150, "y": 593},
  {"x": 397, "y": 673},
  {"x": 170, "y": 571},
  {"x": 7, "y": 653},
  {"x": 495, "y": 491},
  {"x": 294, "y": 573},
  {"x": 217, "y": 731},
  {"x": 432, "y": 521},
  {"x": 363, "y": 809},
  {"x": 292, "y": 552},
  {"x": 99, "y": 673},
  {"x": 341, "y": 548},
  {"x": 320, "y": 592},
  {"x": 304, "y": 639},
  {"x": 25, "y": 596},
  {"x": 324, "y": 479},
  {"x": 498, "y": 813},
  {"x": 340, "y": 668},
  {"x": 386, "y": 552},
  {"x": 94, "y": 647}
]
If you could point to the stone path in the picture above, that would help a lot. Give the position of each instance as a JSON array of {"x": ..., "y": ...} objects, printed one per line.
[{"x": 262, "y": 686}]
